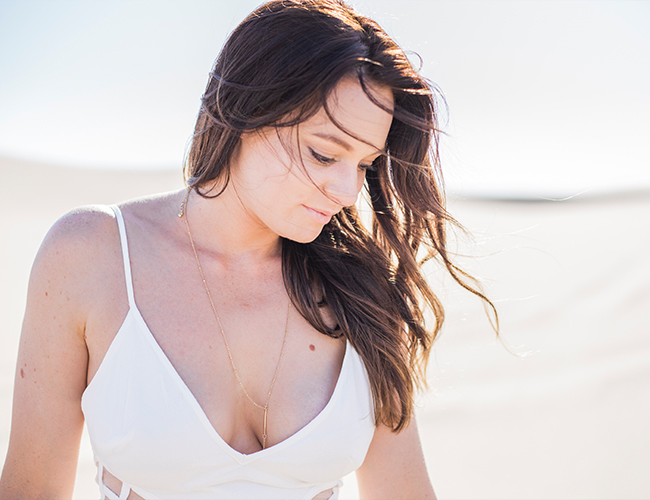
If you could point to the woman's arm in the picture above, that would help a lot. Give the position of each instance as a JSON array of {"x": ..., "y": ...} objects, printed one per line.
[
  {"x": 51, "y": 371},
  {"x": 394, "y": 467}
]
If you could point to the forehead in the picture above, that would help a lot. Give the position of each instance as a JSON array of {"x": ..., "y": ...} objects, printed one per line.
[{"x": 352, "y": 111}]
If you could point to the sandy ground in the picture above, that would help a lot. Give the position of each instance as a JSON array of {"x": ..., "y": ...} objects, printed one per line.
[{"x": 558, "y": 410}]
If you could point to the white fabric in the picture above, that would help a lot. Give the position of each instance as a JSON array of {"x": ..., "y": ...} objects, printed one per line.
[{"x": 148, "y": 430}]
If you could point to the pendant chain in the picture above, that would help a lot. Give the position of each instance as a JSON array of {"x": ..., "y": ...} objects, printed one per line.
[{"x": 183, "y": 214}]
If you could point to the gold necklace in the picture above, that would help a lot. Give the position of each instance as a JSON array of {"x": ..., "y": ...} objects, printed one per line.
[{"x": 182, "y": 213}]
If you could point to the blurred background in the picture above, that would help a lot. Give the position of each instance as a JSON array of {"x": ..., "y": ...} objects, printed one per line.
[
  {"x": 546, "y": 155},
  {"x": 545, "y": 97}
]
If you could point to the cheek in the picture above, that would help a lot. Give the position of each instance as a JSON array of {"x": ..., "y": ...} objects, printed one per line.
[
  {"x": 302, "y": 181},
  {"x": 282, "y": 193}
]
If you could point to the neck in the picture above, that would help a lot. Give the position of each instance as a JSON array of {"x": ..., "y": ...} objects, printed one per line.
[{"x": 221, "y": 226}]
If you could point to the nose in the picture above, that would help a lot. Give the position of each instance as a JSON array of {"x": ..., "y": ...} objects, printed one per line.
[{"x": 344, "y": 185}]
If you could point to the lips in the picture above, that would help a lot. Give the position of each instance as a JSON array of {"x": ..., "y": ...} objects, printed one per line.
[{"x": 321, "y": 216}]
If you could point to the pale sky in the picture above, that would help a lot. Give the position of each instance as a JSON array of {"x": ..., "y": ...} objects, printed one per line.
[{"x": 546, "y": 98}]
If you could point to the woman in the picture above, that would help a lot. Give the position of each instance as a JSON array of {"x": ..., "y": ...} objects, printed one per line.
[{"x": 248, "y": 337}]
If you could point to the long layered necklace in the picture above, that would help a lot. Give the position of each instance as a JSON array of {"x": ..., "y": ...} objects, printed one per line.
[{"x": 183, "y": 215}]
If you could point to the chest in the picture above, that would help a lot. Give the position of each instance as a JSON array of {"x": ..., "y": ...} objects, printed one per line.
[
  {"x": 148, "y": 430},
  {"x": 236, "y": 347}
]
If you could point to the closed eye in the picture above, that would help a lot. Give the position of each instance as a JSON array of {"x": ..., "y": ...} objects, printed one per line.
[
  {"x": 326, "y": 160},
  {"x": 323, "y": 160}
]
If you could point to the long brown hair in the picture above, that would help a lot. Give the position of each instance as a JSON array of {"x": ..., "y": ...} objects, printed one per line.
[{"x": 277, "y": 69}]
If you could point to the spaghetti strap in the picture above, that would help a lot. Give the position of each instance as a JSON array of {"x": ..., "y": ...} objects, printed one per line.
[{"x": 125, "y": 254}]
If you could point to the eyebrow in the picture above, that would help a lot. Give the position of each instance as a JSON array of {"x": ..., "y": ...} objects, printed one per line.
[{"x": 334, "y": 139}]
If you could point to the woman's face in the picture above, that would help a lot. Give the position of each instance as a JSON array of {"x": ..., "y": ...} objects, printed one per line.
[{"x": 281, "y": 195}]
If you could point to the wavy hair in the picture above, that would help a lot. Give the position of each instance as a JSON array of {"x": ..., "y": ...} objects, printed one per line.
[{"x": 277, "y": 69}]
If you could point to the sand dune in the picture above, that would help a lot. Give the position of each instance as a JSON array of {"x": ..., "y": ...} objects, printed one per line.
[{"x": 565, "y": 416}]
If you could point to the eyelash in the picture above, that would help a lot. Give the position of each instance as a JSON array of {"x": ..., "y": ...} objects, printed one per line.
[{"x": 324, "y": 160}]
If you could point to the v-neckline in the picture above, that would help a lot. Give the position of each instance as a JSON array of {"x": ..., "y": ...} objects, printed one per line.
[
  {"x": 200, "y": 413},
  {"x": 184, "y": 389}
]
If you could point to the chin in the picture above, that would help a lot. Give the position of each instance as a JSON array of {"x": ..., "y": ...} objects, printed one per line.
[{"x": 304, "y": 236}]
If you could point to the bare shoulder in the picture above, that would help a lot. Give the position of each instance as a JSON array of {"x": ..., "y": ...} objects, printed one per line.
[
  {"x": 95, "y": 223},
  {"x": 77, "y": 237},
  {"x": 82, "y": 249},
  {"x": 85, "y": 233},
  {"x": 80, "y": 225}
]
